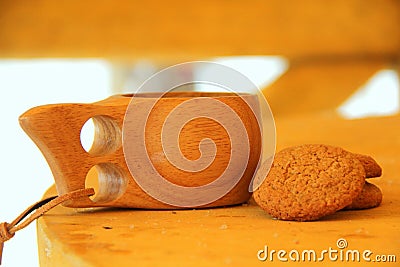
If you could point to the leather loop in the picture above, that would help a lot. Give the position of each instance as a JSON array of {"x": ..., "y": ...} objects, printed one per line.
[
  {"x": 4, "y": 236},
  {"x": 7, "y": 230},
  {"x": 4, "y": 233}
]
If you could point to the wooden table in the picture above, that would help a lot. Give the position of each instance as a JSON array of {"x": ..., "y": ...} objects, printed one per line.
[{"x": 233, "y": 236}]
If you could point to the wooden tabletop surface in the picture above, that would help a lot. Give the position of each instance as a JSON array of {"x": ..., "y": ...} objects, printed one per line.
[{"x": 232, "y": 236}]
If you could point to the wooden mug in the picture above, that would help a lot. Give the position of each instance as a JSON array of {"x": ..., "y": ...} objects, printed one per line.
[{"x": 56, "y": 130}]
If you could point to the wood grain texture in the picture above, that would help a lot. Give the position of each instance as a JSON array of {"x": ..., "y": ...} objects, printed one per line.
[
  {"x": 56, "y": 131},
  {"x": 232, "y": 236},
  {"x": 181, "y": 30}
]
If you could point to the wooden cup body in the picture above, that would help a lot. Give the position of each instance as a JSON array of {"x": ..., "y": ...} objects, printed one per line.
[{"x": 56, "y": 131}]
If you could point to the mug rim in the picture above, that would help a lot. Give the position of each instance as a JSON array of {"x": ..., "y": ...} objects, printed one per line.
[{"x": 186, "y": 94}]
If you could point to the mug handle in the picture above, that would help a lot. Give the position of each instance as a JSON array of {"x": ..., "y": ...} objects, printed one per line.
[{"x": 56, "y": 129}]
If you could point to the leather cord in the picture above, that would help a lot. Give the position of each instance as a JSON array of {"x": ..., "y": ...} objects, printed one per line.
[{"x": 7, "y": 230}]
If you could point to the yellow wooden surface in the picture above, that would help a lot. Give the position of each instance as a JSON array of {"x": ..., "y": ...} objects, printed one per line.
[
  {"x": 179, "y": 29},
  {"x": 232, "y": 236},
  {"x": 319, "y": 85}
]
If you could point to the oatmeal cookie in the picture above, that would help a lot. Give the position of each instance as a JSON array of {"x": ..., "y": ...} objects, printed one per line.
[
  {"x": 308, "y": 182},
  {"x": 372, "y": 168},
  {"x": 370, "y": 197}
]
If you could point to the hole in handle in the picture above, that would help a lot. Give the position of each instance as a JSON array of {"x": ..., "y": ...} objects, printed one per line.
[
  {"x": 100, "y": 135},
  {"x": 108, "y": 181}
]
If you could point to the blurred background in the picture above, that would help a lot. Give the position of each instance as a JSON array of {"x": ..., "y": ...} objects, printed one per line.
[{"x": 322, "y": 58}]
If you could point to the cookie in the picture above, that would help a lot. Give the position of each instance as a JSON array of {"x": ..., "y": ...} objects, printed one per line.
[
  {"x": 370, "y": 197},
  {"x": 372, "y": 168},
  {"x": 308, "y": 182}
]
